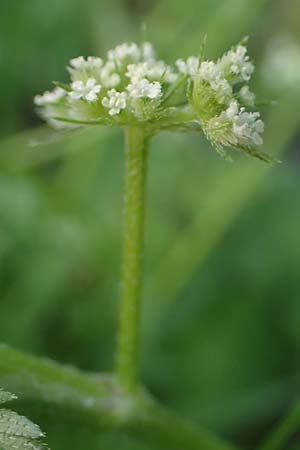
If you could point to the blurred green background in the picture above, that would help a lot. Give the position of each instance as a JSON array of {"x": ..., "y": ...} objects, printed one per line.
[{"x": 221, "y": 322}]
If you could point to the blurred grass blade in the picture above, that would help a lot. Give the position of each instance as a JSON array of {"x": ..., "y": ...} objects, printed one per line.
[{"x": 283, "y": 431}]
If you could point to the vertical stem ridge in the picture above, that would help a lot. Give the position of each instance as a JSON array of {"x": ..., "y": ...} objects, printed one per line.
[{"x": 133, "y": 249}]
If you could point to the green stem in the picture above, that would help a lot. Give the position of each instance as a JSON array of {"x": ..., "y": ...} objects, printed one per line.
[
  {"x": 133, "y": 248},
  {"x": 50, "y": 389},
  {"x": 279, "y": 438},
  {"x": 162, "y": 427}
]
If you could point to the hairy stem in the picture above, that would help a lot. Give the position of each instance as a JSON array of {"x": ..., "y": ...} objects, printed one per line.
[
  {"x": 96, "y": 401},
  {"x": 133, "y": 248}
]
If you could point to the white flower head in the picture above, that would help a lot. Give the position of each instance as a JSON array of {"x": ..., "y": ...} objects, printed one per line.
[
  {"x": 88, "y": 91},
  {"x": 109, "y": 76},
  {"x": 188, "y": 67},
  {"x": 209, "y": 71},
  {"x": 247, "y": 127},
  {"x": 237, "y": 62},
  {"x": 237, "y": 128},
  {"x": 211, "y": 74},
  {"x": 50, "y": 97},
  {"x": 114, "y": 102},
  {"x": 136, "y": 72},
  {"x": 145, "y": 89}
]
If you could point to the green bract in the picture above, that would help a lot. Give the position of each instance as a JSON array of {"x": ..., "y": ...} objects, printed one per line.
[{"x": 133, "y": 88}]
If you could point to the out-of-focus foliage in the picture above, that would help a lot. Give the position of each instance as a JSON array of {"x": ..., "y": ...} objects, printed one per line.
[{"x": 222, "y": 313}]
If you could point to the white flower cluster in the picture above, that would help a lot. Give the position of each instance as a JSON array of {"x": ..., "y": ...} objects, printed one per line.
[
  {"x": 241, "y": 127},
  {"x": 235, "y": 66},
  {"x": 89, "y": 90},
  {"x": 93, "y": 68},
  {"x": 216, "y": 90},
  {"x": 131, "y": 86},
  {"x": 115, "y": 101},
  {"x": 211, "y": 74},
  {"x": 188, "y": 67},
  {"x": 128, "y": 77},
  {"x": 236, "y": 62}
]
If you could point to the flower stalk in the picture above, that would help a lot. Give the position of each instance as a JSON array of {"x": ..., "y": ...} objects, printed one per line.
[
  {"x": 133, "y": 249},
  {"x": 133, "y": 89}
]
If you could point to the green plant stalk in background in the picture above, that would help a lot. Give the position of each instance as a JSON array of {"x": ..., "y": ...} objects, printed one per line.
[{"x": 133, "y": 248}]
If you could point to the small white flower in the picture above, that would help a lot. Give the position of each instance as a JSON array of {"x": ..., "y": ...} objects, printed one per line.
[
  {"x": 92, "y": 63},
  {"x": 188, "y": 67},
  {"x": 135, "y": 72},
  {"x": 88, "y": 91},
  {"x": 145, "y": 89},
  {"x": 153, "y": 70},
  {"x": 49, "y": 97},
  {"x": 77, "y": 63},
  {"x": 232, "y": 110},
  {"x": 108, "y": 75},
  {"x": 124, "y": 51},
  {"x": 114, "y": 102},
  {"x": 210, "y": 72},
  {"x": 247, "y": 97},
  {"x": 160, "y": 71},
  {"x": 247, "y": 127},
  {"x": 95, "y": 62}
]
